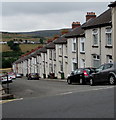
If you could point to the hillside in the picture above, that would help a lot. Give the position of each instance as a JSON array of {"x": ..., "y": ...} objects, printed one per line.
[{"x": 44, "y": 33}]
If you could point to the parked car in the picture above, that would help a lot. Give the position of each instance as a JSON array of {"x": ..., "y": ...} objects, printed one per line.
[
  {"x": 18, "y": 75},
  {"x": 34, "y": 76},
  {"x": 4, "y": 79},
  {"x": 81, "y": 75},
  {"x": 12, "y": 75},
  {"x": 105, "y": 73}
]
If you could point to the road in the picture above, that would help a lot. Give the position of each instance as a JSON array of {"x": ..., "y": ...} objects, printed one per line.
[{"x": 57, "y": 99}]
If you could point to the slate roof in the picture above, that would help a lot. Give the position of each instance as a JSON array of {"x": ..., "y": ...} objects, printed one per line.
[
  {"x": 113, "y": 4},
  {"x": 51, "y": 45},
  {"x": 61, "y": 40},
  {"x": 76, "y": 32},
  {"x": 43, "y": 49},
  {"x": 102, "y": 20}
]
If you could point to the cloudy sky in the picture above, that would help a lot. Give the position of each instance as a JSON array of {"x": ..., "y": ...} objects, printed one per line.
[{"x": 32, "y": 16}]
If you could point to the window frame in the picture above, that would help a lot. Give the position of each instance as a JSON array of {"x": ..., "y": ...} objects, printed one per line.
[
  {"x": 74, "y": 45},
  {"x": 106, "y": 36},
  {"x": 82, "y": 41},
  {"x": 95, "y": 33}
]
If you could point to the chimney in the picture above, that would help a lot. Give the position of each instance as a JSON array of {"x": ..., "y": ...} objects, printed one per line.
[
  {"x": 75, "y": 24},
  {"x": 90, "y": 15}
]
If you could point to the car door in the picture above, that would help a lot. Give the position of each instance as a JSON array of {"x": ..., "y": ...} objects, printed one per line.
[
  {"x": 98, "y": 74},
  {"x": 105, "y": 72}
]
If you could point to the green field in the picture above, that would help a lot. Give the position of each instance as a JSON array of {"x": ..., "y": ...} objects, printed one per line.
[{"x": 28, "y": 47}]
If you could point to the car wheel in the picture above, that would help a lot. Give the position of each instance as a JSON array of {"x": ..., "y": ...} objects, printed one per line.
[
  {"x": 92, "y": 82},
  {"x": 112, "y": 80},
  {"x": 68, "y": 81}
]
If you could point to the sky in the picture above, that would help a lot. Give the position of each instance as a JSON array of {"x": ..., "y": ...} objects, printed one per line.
[{"x": 34, "y": 16}]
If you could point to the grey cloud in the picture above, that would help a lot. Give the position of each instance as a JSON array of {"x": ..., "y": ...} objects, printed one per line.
[{"x": 16, "y": 8}]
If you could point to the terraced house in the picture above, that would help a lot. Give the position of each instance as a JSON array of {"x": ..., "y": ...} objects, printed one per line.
[{"x": 88, "y": 45}]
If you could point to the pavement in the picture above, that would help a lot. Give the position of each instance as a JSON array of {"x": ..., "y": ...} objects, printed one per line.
[{"x": 4, "y": 95}]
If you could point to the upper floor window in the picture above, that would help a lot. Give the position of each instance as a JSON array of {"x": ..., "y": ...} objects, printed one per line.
[
  {"x": 108, "y": 36},
  {"x": 95, "y": 37},
  {"x": 74, "y": 45},
  {"x": 82, "y": 45},
  {"x": 66, "y": 50},
  {"x": 54, "y": 54},
  {"x": 60, "y": 49},
  {"x": 50, "y": 54}
]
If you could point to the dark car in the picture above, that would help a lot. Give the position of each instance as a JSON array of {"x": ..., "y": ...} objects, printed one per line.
[
  {"x": 81, "y": 75},
  {"x": 34, "y": 76},
  {"x": 106, "y": 73}
]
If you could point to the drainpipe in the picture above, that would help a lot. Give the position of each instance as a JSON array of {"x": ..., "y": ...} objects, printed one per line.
[
  {"x": 52, "y": 60},
  {"x": 100, "y": 44},
  {"x": 44, "y": 66},
  {"x": 27, "y": 68},
  {"x": 62, "y": 74},
  {"x": 77, "y": 51}
]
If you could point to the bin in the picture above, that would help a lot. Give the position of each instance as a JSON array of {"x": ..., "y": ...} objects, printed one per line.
[
  {"x": 62, "y": 75},
  {"x": 44, "y": 75}
]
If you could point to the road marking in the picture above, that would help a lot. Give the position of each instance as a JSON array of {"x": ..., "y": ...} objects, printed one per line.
[
  {"x": 6, "y": 101},
  {"x": 65, "y": 93},
  {"x": 95, "y": 89}
]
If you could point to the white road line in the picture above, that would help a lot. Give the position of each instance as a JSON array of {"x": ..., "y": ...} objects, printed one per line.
[
  {"x": 95, "y": 89},
  {"x": 65, "y": 93}
]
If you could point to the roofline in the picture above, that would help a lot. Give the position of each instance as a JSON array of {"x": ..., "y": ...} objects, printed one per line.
[
  {"x": 71, "y": 36},
  {"x": 98, "y": 26}
]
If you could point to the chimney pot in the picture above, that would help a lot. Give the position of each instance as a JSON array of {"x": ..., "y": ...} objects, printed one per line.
[
  {"x": 90, "y": 15},
  {"x": 75, "y": 24}
]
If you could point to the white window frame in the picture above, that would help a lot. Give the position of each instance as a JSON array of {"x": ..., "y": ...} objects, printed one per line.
[
  {"x": 95, "y": 57},
  {"x": 82, "y": 63},
  {"x": 109, "y": 58},
  {"x": 60, "y": 49},
  {"x": 50, "y": 54},
  {"x": 82, "y": 41},
  {"x": 106, "y": 34},
  {"x": 74, "y": 45},
  {"x": 95, "y": 33},
  {"x": 74, "y": 61}
]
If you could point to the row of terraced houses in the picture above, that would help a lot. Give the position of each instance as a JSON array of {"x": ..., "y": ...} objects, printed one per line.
[{"x": 88, "y": 45}]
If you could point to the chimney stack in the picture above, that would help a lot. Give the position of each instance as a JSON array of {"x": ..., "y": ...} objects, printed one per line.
[
  {"x": 90, "y": 15},
  {"x": 75, "y": 24}
]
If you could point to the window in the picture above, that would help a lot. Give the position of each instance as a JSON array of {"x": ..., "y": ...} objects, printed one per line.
[
  {"x": 74, "y": 45},
  {"x": 82, "y": 45},
  {"x": 109, "y": 58},
  {"x": 50, "y": 54},
  {"x": 54, "y": 54},
  {"x": 107, "y": 66},
  {"x": 61, "y": 66},
  {"x": 74, "y": 64},
  {"x": 82, "y": 64},
  {"x": 95, "y": 37},
  {"x": 96, "y": 60},
  {"x": 50, "y": 68},
  {"x": 100, "y": 68},
  {"x": 108, "y": 36},
  {"x": 60, "y": 49}
]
